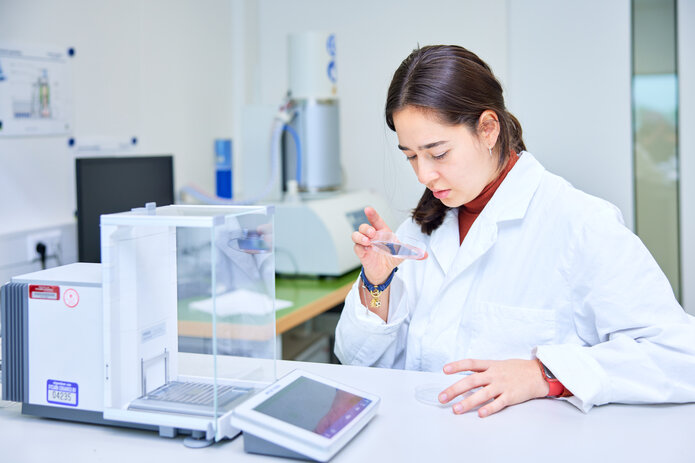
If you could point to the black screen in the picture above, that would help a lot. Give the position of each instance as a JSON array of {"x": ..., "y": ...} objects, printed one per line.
[{"x": 117, "y": 184}]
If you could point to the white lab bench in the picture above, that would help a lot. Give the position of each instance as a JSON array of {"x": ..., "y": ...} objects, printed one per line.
[{"x": 404, "y": 430}]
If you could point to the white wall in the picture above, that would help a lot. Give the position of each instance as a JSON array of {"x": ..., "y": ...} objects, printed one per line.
[
  {"x": 686, "y": 148},
  {"x": 569, "y": 85},
  {"x": 160, "y": 70}
]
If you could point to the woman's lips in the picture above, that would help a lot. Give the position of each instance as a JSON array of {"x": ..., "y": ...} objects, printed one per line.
[{"x": 441, "y": 194}]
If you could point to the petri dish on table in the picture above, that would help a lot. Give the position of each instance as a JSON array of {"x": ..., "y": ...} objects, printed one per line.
[{"x": 428, "y": 393}]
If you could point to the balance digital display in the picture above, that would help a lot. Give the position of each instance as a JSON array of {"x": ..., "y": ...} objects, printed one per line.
[{"x": 303, "y": 416}]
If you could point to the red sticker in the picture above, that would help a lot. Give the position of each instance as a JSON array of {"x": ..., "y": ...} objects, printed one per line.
[
  {"x": 71, "y": 298},
  {"x": 50, "y": 293}
]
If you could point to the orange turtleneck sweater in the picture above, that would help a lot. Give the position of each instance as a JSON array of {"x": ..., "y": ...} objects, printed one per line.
[{"x": 471, "y": 210}]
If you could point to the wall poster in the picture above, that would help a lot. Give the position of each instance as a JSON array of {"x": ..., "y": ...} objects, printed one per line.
[{"x": 35, "y": 91}]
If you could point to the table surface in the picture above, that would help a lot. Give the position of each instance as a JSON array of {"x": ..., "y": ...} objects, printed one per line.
[
  {"x": 309, "y": 296},
  {"x": 404, "y": 430}
]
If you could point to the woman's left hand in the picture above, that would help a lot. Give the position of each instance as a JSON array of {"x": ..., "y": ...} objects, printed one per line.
[{"x": 505, "y": 382}]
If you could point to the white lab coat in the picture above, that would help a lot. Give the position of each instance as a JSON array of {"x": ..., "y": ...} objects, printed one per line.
[{"x": 548, "y": 271}]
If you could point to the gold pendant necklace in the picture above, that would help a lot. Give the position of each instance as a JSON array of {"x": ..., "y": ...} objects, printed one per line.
[{"x": 375, "y": 302}]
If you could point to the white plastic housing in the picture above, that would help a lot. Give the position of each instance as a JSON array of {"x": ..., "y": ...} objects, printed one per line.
[
  {"x": 312, "y": 65},
  {"x": 315, "y": 237},
  {"x": 65, "y": 332}
]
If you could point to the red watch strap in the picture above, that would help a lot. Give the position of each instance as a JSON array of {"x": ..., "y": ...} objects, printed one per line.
[{"x": 555, "y": 387}]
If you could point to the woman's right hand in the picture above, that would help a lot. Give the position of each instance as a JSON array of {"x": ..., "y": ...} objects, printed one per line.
[{"x": 377, "y": 267}]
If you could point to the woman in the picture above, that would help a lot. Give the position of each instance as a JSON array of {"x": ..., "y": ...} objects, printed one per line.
[{"x": 537, "y": 288}]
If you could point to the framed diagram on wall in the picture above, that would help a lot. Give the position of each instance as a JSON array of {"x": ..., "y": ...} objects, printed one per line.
[{"x": 35, "y": 91}]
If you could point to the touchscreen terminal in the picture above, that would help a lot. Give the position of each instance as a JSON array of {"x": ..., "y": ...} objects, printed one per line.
[
  {"x": 314, "y": 406},
  {"x": 303, "y": 415}
]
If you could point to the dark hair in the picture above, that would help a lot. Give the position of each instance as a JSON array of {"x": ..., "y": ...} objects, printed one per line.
[{"x": 458, "y": 87}]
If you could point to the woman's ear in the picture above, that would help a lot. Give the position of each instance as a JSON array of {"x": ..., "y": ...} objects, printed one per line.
[{"x": 489, "y": 127}]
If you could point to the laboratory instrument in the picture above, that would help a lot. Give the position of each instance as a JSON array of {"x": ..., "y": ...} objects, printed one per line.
[
  {"x": 313, "y": 158},
  {"x": 304, "y": 416},
  {"x": 302, "y": 153},
  {"x": 314, "y": 236},
  {"x": 100, "y": 342}
]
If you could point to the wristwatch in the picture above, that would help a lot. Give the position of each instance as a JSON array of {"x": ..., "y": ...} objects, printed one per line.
[{"x": 556, "y": 387}]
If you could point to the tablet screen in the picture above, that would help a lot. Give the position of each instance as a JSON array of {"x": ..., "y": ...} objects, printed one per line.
[{"x": 314, "y": 406}]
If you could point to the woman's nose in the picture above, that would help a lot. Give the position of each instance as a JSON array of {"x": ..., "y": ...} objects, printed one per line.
[{"x": 426, "y": 172}]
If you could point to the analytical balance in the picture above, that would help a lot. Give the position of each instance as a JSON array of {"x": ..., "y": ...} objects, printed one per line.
[{"x": 99, "y": 342}]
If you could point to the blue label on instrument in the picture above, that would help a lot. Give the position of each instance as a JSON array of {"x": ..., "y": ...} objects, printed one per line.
[{"x": 62, "y": 393}]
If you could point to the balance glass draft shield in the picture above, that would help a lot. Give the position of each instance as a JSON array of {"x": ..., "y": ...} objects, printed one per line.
[{"x": 189, "y": 309}]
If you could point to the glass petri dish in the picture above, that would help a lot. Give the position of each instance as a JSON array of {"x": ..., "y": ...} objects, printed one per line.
[
  {"x": 250, "y": 242},
  {"x": 389, "y": 244},
  {"x": 429, "y": 394}
]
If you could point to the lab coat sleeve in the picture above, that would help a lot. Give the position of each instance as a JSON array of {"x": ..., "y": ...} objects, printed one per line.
[
  {"x": 640, "y": 344},
  {"x": 363, "y": 338}
]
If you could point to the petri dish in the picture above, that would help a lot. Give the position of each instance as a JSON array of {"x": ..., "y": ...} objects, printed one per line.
[
  {"x": 390, "y": 245},
  {"x": 250, "y": 242},
  {"x": 429, "y": 394}
]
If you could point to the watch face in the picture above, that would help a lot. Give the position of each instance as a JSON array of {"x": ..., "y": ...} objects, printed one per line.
[{"x": 549, "y": 374}]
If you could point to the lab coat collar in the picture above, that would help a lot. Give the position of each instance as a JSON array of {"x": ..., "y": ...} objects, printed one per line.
[
  {"x": 510, "y": 202},
  {"x": 445, "y": 241},
  {"x": 512, "y": 198}
]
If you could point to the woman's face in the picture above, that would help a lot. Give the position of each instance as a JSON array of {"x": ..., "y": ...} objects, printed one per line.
[{"x": 451, "y": 161}]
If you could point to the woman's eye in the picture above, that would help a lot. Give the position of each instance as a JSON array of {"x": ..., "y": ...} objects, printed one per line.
[
  {"x": 440, "y": 156},
  {"x": 411, "y": 158}
]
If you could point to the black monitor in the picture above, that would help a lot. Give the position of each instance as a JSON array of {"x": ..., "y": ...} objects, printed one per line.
[{"x": 117, "y": 184}]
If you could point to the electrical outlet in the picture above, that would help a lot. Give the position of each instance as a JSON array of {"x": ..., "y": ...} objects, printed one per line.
[{"x": 50, "y": 238}]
